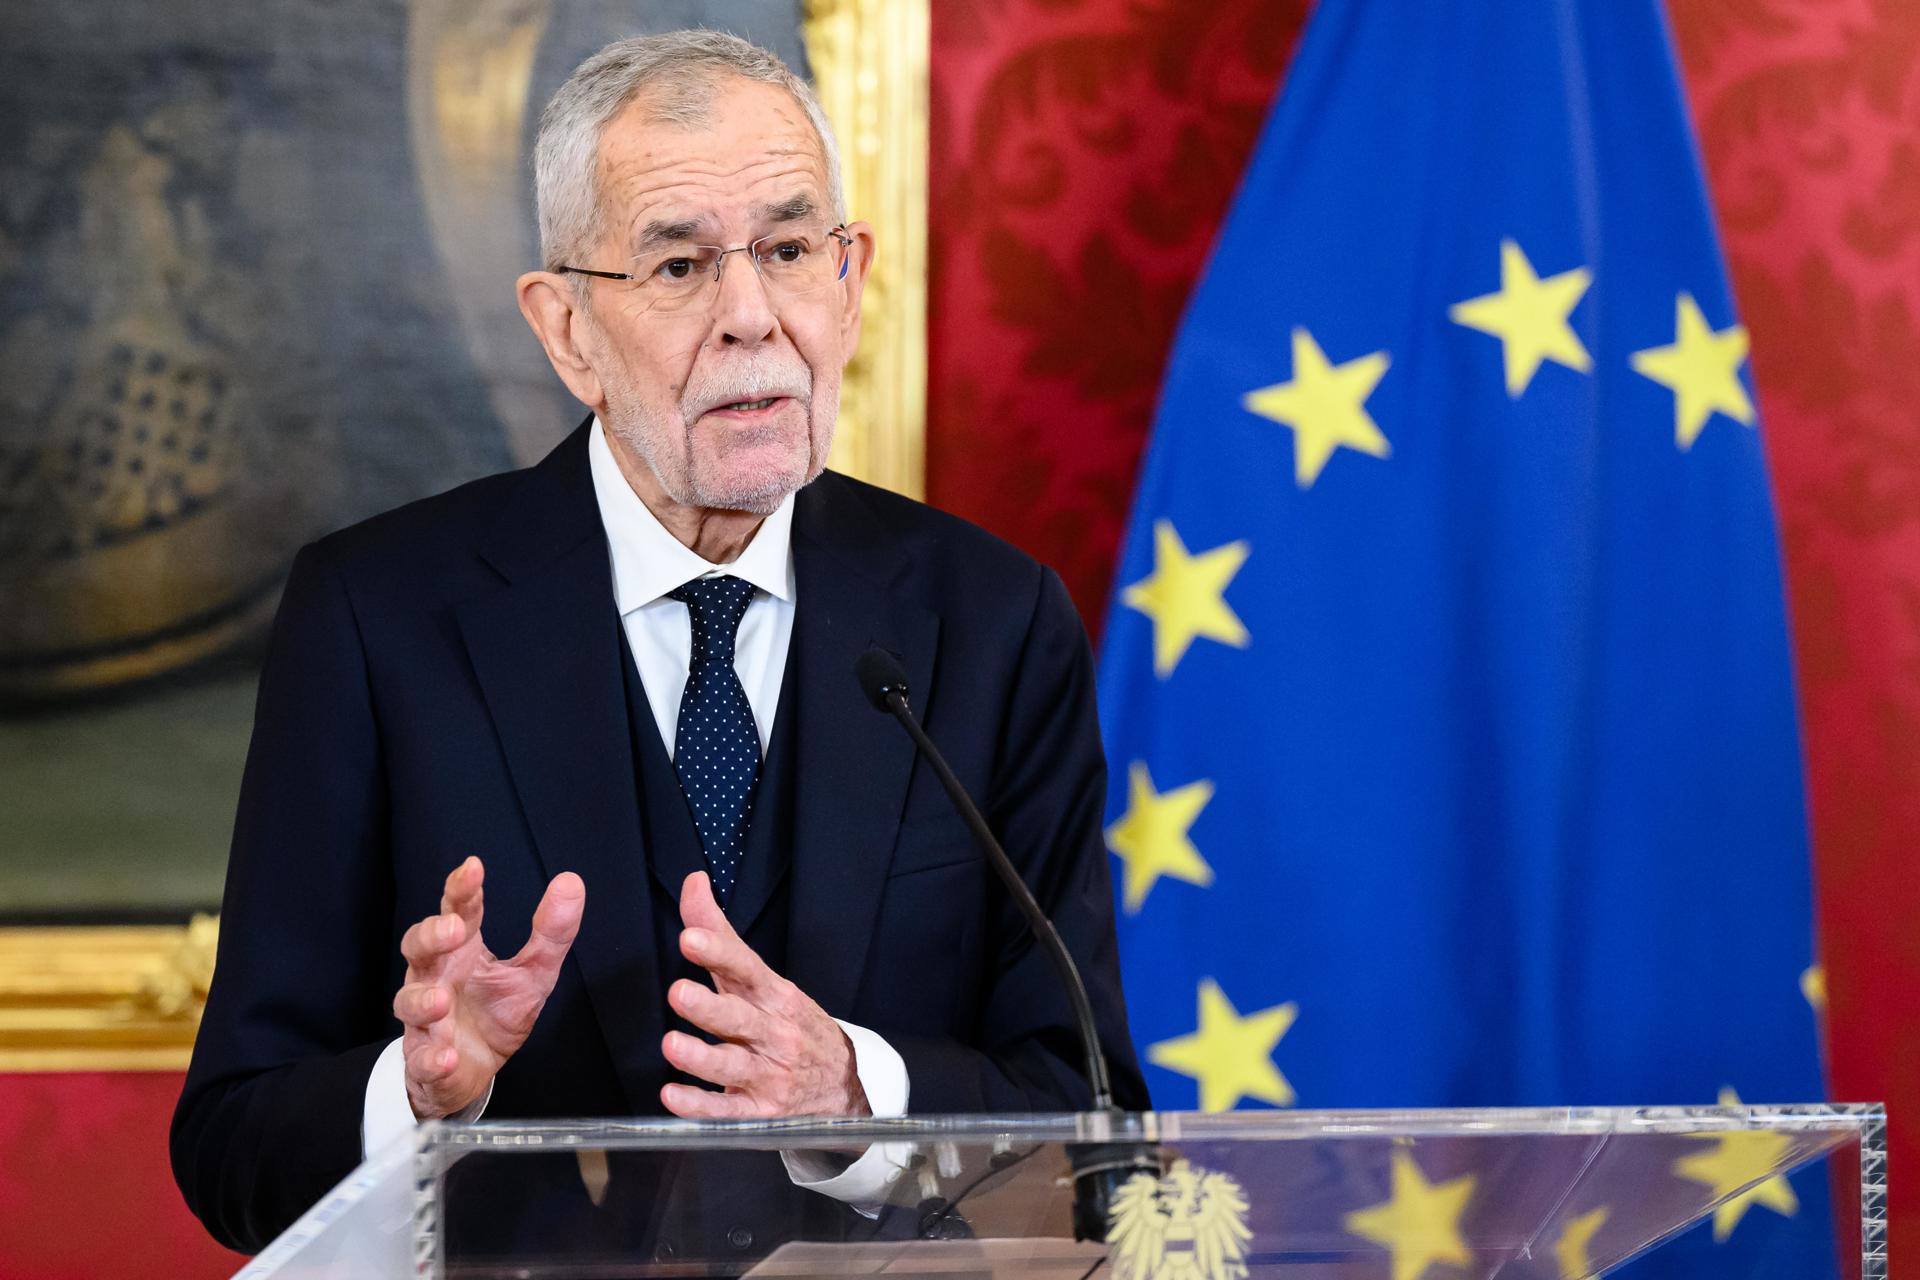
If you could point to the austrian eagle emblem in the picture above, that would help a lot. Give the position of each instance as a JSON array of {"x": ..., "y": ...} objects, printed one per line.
[{"x": 1190, "y": 1224}]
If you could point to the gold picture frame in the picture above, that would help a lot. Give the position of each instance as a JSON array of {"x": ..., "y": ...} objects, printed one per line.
[
  {"x": 870, "y": 63},
  {"x": 128, "y": 998}
]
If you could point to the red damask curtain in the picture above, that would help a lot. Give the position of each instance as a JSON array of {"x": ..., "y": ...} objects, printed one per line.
[
  {"x": 1083, "y": 152},
  {"x": 85, "y": 1191}
]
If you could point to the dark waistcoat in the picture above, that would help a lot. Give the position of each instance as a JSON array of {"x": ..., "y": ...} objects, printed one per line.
[
  {"x": 721, "y": 1207},
  {"x": 757, "y": 908},
  {"x": 732, "y": 1204}
]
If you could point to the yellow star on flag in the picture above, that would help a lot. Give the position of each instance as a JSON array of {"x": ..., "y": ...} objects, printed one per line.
[
  {"x": 1185, "y": 597},
  {"x": 1574, "y": 1249},
  {"x": 1529, "y": 316},
  {"x": 1151, "y": 837},
  {"x": 1420, "y": 1222},
  {"x": 1231, "y": 1056},
  {"x": 1813, "y": 988},
  {"x": 1701, "y": 368},
  {"x": 1743, "y": 1159},
  {"x": 1325, "y": 404}
]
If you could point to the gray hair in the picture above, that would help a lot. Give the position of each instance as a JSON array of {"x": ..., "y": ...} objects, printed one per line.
[{"x": 685, "y": 65}]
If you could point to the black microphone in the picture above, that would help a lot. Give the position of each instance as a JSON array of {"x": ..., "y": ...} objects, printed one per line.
[
  {"x": 885, "y": 682},
  {"x": 1099, "y": 1170}
]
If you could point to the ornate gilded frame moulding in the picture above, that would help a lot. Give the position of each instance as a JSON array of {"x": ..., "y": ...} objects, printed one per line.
[
  {"x": 120, "y": 998},
  {"x": 870, "y": 61},
  {"x": 129, "y": 998}
]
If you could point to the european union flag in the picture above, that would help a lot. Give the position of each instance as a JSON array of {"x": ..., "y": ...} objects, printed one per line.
[{"x": 1446, "y": 687}]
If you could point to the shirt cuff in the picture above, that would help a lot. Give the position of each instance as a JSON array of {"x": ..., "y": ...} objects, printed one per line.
[
  {"x": 388, "y": 1117},
  {"x": 882, "y": 1072},
  {"x": 864, "y": 1182}
]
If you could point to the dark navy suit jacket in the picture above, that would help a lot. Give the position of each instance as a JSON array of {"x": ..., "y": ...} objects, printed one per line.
[{"x": 446, "y": 679}]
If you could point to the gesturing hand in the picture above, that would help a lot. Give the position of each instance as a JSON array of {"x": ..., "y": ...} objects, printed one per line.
[
  {"x": 781, "y": 1055},
  {"x": 465, "y": 1010}
]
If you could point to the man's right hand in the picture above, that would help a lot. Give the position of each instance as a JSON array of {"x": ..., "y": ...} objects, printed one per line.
[{"x": 465, "y": 1010}]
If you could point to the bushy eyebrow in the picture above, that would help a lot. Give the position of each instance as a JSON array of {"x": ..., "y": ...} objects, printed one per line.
[
  {"x": 669, "y": 232},
  {"x": 795, "y": 208}
]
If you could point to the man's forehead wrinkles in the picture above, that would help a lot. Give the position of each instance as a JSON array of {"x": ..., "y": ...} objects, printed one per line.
[
  {"x": 795, "y": 208},
  {"x": 631, "y": 170},
  {"x": 661, "y": 145},
  {"x": 685, "y": 207}
]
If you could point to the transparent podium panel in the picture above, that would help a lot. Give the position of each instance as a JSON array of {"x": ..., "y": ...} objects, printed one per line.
[{"x": 1745, "y": 1191}]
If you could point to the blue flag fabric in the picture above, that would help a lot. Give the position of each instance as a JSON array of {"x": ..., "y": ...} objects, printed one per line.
[{"x": 1446, "y": 687}]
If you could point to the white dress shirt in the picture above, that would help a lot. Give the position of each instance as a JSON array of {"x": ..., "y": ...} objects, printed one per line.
[{"x": 648, "y": 562}]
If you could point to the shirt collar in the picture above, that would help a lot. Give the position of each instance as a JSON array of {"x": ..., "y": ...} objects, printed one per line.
[{"x": 648, "y": 561}]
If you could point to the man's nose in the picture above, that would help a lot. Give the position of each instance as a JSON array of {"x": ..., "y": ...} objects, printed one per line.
[{"x": 743, "y": 312}]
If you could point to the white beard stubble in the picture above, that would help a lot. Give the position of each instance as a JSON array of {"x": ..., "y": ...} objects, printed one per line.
[{"x": 667, "y": 446}]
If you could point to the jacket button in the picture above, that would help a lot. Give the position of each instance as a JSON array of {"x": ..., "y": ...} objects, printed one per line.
[{"x": 741, "y": 1238}]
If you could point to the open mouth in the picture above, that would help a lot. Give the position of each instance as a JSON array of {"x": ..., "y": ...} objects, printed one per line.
[{"x": 748, "y": 406}]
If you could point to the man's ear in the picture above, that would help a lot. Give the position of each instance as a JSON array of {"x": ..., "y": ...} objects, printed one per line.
[
  {"x": 548, "y": 301},
  {"x": 854, "y": 285}
]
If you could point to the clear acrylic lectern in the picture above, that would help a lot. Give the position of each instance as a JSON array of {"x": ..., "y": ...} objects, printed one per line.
[{"x": 1403, "y": 1194}]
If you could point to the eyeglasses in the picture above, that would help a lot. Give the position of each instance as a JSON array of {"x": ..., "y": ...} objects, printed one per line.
[{"x": 790, "y": 262}]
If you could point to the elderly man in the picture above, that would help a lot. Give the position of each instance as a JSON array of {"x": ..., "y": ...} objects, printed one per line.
[{"x": 611, "y": 698}]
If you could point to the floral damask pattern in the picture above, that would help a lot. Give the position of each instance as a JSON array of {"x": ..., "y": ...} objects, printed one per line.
[
  {"x": 85, "y": 1190},
  {"x": 1809, "y": 118},
  {"x": 1083, "y": 154}
]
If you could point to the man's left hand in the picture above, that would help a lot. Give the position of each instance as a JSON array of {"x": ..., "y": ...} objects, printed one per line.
[{"x": 779, "y": 1055}]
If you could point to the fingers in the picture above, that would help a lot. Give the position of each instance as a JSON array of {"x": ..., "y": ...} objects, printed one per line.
[
  {"x": 735, "y": 966},
  {"x": 699, "y": 909},
  {"x": 421, "y": 1004},
  {"x": 422, "y": 1008},
  {"x": 709, "y": 940},
  {"x": 427, "y": 943},
  {"x": 728, "y": 1016},
  {"x": 461, "y": 896},
  {"x": 556, "y": 923},
  {"x": 429, "y": 1063},
  {"x": 724, "y": 1064},
  {"x": 703, "y": 1104}
]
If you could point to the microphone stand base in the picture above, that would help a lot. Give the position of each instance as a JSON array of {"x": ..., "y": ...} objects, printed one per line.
[{"x": 1100, "y": 1170}]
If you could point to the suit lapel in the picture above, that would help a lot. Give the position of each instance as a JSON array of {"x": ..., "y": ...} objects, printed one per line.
[
  {"x": 547, "y": 650},
  {"x": 548, "y": 653},
  {"x": 852, "y": 771},
  {"x": 673, "y": 842}
]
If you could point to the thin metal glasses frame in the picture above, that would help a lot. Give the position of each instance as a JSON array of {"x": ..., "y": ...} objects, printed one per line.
[{"x": 720, "y": 252}]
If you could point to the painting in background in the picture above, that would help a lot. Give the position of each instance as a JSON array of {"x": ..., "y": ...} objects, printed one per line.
[{"x": 256, "y": 270}]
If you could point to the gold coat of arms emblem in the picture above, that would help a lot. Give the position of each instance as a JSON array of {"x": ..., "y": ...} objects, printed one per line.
[{"x": 1190, "y": 1224}]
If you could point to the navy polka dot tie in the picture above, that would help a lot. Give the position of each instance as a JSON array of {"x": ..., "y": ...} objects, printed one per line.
[{"x": 716, "y": 749}]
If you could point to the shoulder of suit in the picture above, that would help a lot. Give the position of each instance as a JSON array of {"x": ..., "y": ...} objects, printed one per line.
[
  {"x": 431, "y": 545},
  {"x": 424, "y": 540}
]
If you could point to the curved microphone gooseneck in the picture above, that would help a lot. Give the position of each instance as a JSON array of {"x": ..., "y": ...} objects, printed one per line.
[
  {"x": 1101, "y": 1168},
  {"x": 885, "y": 682}
]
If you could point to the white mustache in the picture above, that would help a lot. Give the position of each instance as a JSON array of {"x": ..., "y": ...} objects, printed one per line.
[{"x": 755, "y": 378}]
